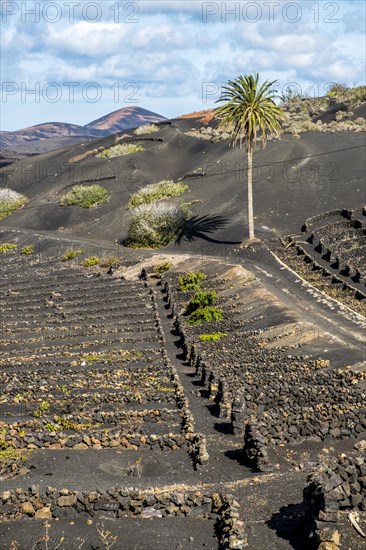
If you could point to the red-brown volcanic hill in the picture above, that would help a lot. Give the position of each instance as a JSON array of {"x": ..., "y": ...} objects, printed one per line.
[
  {"x": 41, "y": 132},
  {"x": 206, "y": 116},
  {"x": 48, "y": 136},
  {"x": 47, "y": 130},
  {"x": 123, "y": 119}
]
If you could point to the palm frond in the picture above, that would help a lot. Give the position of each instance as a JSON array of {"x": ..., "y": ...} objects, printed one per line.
[{"x": 249, "y": 109}]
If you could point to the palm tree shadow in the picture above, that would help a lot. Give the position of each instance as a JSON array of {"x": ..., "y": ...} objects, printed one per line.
[{"x": 198, "y": 227}]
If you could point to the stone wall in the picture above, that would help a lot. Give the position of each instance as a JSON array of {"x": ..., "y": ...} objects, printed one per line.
[
  {"x": 118, "y": 503},
  {"x": 270, "y": 396},
  {"x": 337, "y": 489}
]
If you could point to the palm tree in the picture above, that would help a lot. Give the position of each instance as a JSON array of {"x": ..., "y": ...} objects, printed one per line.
[{"x": 249, "y": 109}]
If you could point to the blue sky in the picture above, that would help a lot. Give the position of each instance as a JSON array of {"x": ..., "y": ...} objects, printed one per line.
[{"x": 83, "y": 59}]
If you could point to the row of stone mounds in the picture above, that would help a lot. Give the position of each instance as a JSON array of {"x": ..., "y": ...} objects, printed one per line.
[
  {"x": 131, "y": 380},
  {"x": 119, "y": 503},
  {"x": 46, "y": 380},
  {"x": 339, "y": 238},
  {"x": 29, "y": 387},
  {"x": 269, "y": 396},
  {"x": 40, "y": 297},
  {"x": 336, "y": 501}
]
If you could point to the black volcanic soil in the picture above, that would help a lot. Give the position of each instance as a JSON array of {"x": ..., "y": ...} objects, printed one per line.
[
  {"x": 296, "y": 179},
  {"x": 293, "y": 180},
  {"x": 132, "y": 534}
]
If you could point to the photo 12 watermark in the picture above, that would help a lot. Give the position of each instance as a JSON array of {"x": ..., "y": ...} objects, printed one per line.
[
  {"x": 122, "y": 11},
  {"x": 299, "y": 170},
  {"x": 271, "y": 12},
  {"x": 53, "y": 92},
  {"x": 211, "y": 90}
]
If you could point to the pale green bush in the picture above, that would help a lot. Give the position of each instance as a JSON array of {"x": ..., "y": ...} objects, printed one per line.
[
  {"x": 156, "y": 191},
  {"x": 156, "y": 224},
  {"x": 10, "y": 201},
  {"x": 120, "y": 150},
  {"x": 86, "y": 196},
  {"x": 146, "y": 129}
]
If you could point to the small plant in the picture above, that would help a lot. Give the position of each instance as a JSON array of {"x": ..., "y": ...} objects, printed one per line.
[
  {"x": 156, "y": 224},
  {"x": 146, "y": 129},
  {"x": 205, "y": 315},
  {"x": 7, "y": 247},
  {"x": 71, "y": 254},
  {"x": 86, "y": 196},
  {"x": 89, "y": 262},
  {"x": 202, "y": 299},
  {"x": 46, "y": 538},
  {"x": 156, "y": 191},
  {"x": 135, "y": 468},
  {"x": 106, "y": 537},
  {"x": 10, "y": 459},
  {"x": 291, "y": 96},
  {"x": 102, "y": 358},
  {"x": 191, "y": 281},
  {"x": 62, "y": 423},
  {"x": 53, "y": 427},
  {"x": 107, "y": 262},
  {"x": 120, "y": 150},
  {"x": 27, "y": 250},
  {"x": 20, "y": 396},
  {"x": 160, "y": 269},
  {"x": 117, "y": 355},
  {"x": 214, "y": 337},
  {"x": 42, "y": 410},
  {"x": 10, "y": 201},
  {"x": 338, "y": 90}
]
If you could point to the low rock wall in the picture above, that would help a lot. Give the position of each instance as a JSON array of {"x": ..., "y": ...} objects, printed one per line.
[
  {"x": 339, "y": 488},
  {"x": 118, "y": 503},
  {"x": 269, "y": 396}
]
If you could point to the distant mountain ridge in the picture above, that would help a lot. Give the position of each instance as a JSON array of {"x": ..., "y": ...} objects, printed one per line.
[
  {"x": 51, "y": 135},
  {"x": 123, "y": 119}
]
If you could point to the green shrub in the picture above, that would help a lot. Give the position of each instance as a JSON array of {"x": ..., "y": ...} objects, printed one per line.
[
  {"x": 291, "y": 96},
  {"x": 7, "y": 247},
  {"x": 214, "y": 337},
  {"x": 86, "y": 196},
  {"x": 156, "y": 224},
  {"x": 191, "y": 281},
  {"x": 156, "y": 191},
  {"x": 26, "y": 250},
  {"x": 10, "y": 201},
  {"x": 53, "y": 427},
  {"x": 10, "y": 458},
  {"x": 347, "y": 94},
  {"x": 201, "y": 299},
  {"x": 160, "y": 269},
  {"x": 146, "y": 129},
  {"x": 71, "y": 254},
  {"x": 107, "y": 262},
  {"x": 121, "y": 150},
  {"x": 89, "y": 262},
  {"x": 205, "y": 315},
  {"x": 43, "y": 409}
]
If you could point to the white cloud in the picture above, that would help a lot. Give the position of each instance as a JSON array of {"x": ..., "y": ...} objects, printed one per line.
[
  {"x": 169, "y": 52},
  {"x": 88, "y": 40}
]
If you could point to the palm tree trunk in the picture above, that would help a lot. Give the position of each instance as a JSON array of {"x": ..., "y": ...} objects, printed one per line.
[{"x": 250, "y": 190}]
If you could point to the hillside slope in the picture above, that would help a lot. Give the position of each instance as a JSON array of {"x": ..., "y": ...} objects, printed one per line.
[
  {"x": 53, "y": 135},
  {"x": 124, "y": 119},
  {"x": 293, "y": 180}
]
